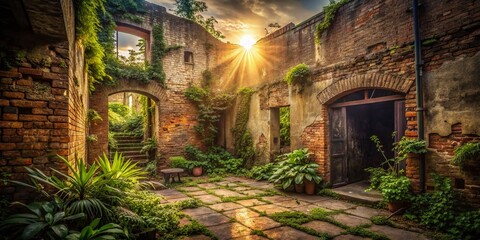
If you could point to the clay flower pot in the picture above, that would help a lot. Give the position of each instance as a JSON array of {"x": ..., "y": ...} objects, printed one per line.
[
  {"x": 300, "y": 188},
  {"x": 396, "y": 205},
  {"x": 309, "y": 187},
  {"x": 197, "y": 171}
]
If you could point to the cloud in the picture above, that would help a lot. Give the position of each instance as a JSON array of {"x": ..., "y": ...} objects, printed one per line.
[{"x": 239, "y": 17}]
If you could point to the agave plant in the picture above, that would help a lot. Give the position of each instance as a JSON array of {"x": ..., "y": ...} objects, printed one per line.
[
  {"x": 107, "y": 231},
  {"x": 78, "y": 189},
  {"x": 119, "y": 168},
  {"x": 46, "y": 220}
]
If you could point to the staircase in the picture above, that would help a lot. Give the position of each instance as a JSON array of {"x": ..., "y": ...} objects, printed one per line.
[{"x": 129, "y": 146}]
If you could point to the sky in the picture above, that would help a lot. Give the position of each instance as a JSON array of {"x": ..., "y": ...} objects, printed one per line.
[{"x": 237, "y": 18}]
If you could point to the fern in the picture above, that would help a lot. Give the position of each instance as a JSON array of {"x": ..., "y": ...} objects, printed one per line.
[{"x": 465, "y": 152}]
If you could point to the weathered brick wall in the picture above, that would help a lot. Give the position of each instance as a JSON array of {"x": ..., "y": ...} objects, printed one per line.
[
  {"x": 176, "y": 114},
  {"x": 370, "y": 44}
]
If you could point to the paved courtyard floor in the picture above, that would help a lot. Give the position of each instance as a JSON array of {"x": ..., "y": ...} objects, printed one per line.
[{"x": 241, "y": 208}]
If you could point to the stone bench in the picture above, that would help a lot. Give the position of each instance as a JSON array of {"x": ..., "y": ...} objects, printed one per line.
[{"x": 170, "y": 173}]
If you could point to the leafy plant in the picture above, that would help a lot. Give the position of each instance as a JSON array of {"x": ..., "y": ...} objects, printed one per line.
[
  {"x": 107, "y": 231},
  {"x": 395, "y": 188},
  {"x": 466, "y": 152},
  {"x": 119, "y": 169},
  {"x": 285, "y": 126},
  {"x": 329, "y": 12},
  {"x": 299, "y": 75},
  {"x": 178, "y": 162},
  {"x": 263, "y": 172},
  {"x": 149, "y": 146},
  {"x": 196, "y": 94},
  {"x": 295, "y": 168},
  {"x": 46, "y": 220}
]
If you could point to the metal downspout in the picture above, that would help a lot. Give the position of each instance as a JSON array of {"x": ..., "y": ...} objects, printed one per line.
[{"x": 419, "y": 88}]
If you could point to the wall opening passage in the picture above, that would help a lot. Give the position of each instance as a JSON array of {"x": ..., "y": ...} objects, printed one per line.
[
  {"x": 132, "y": 121},
  {"x": 354, "y": 118},
  {"x": 279, "y": 130}
]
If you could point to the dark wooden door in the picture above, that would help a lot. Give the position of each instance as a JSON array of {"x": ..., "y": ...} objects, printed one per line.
[
  {"x": 338, "y": 146},
  {"x": 357, "y": 142},
  {"x": 400, "y": 124}
]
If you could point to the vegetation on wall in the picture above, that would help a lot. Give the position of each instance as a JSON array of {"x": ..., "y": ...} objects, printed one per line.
[
  {"x": 329, "y": 12},
  {"x": 192, "y": 9},
  {"x": 242, "y": 138},
  {"x": 466, "y": 152},
  {"x": 299, "y": 76},
  {"x": 284, "y": 126}
]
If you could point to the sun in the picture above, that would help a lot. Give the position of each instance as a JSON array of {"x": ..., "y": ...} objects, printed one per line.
[{"x": 247, "y": 42}]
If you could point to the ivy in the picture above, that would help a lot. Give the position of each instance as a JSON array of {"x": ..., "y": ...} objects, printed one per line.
[
  {"x": 329, "y": 12},
  {"x": 210, "y": 106},
  {"x": 242, "y": 138}
]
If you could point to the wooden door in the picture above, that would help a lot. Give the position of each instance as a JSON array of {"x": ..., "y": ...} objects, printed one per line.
[
  {"x": 338, "y": 146},
  {"x": 357, "y": 142},
  {"x": 400, "y": 124}
]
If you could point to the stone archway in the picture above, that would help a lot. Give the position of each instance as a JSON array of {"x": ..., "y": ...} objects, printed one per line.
[
  {"x": 99, "y": 103},
  {"x": 317, "y": 135}
]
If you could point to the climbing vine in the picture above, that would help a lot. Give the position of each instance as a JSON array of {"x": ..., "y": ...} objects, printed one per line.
[
  {"x": 210, "y": 107},
  {"x": 242, "y": 137},
  {"x": 329, "y": 12}
]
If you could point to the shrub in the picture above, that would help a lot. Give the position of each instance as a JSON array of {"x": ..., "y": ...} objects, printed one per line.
[
  {"x": 395, "y": 188},
  {"x": 300, "y": 75},
  {"x": 178, "y": 162},
  {"x": 196, "y": 94},
  {"x": 134, "y": 125},
  {"x": 465, "y": 152},
  {"x": 262, "y": 172},
  {"x": 295, "y": 168}
]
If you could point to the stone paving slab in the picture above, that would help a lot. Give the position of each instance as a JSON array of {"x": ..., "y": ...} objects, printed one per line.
[
  {"x": 259, "y": 223},
  {"x": 227, "y": 184},
  {"x": 324, "y": 227},
  {"x": 175, "y": 200},
  {"x": 308, "y": 198},
  {"x": 335, "y": 204},
  {"x": 198, "y": 193},
  {"x": 198, "y": 211},
  {"x": 241, "y": 213},
  {"x": 211, "y": 219},
  {"x": 230, "y": 230},
  {"x": 208, "y": 199},
  {"x": 308, "y": 208},
  {"x": 190, "y": 189},
  {"x": 207, "y": 185},
  {"x": 349, "y": 220},
  {"x": 352, "y": 237},
  {"x": 366, "y": 212},
  {"x": 241, "y": 189},
  {"x": 291, "y": 203},
  {"x": 276, "y": 198},
  {"x": 396, "y": 233},
  {"x": 270, "y": 209},
  {"x": 251, "y": 202},
  {"x": 288, "y": 233},
  {"x": 168, "y": 192},
  {"x": 226, "y": 193},
  {"x": 253, "y": 192},
  {"x": 225, "y": 206}
]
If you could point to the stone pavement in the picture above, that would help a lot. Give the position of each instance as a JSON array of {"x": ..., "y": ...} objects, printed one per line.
[{"x": 241, "y": 208}]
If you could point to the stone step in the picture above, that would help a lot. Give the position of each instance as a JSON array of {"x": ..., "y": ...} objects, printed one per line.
[
  {"x": 139, "y": 138},
  {"x": 129, "y": 141},
  {"x": 355, "y": 192}
]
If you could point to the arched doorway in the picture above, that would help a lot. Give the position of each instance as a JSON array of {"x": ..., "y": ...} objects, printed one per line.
[{"x": 354, "y": 117}]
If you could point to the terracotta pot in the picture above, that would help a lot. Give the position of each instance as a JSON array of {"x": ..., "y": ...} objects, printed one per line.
[
  {"x": 197, "y": 171},
  {"x": 309, "y": 187},
  {"x": 396, "y": 205},
  {"x": 299, "y": 188}
]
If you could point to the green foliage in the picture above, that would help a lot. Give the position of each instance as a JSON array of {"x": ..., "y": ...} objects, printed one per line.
[
  {"x": 329, "y": 12},
  {"x": 298, "y": 75},
  {"x": 406, "y": 145},
  {"x": 87, "y": 25},
  {"x": 207, "y": 78},
  {"x": 376, "y": 175},
  {"x": 159, "y": 50},
  {"x": 216, "y": 160},
  {"x": 112, "y": 142},
  {"x": 285, "y": 126},
  {"x": 90, "y": 232},
  {"x": 178, "y": 162},
  {"x": 295, "y": 220},
  {"x": 210, "y": 106},
  {"x": 149, "y": 145},
  {"x": 242, "y": 138},
  {"x": 380, "y": 220},
  {"x": 46, "y": 220},
  {"x": 442, "y": 210},
  {"x": 189, "y": 203},
  {"x": 295, "y": 168},
  {"x": 395, "y": 188},
  {"x": 196, "y": 94},
  {"x": 134, "y": 124},
  {"x": 192, "y": 9},
  {"x": 93, "y": 116},
  {"x": 466, "y": 152},
  {"x": 263, "y": 172}
]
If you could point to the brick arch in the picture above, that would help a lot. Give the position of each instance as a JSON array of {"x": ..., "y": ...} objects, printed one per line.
[
  {"x": 375, "y": 80},
  {"x": 99, "y": 103}
]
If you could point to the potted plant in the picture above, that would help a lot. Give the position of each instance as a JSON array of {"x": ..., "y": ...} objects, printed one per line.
[
  {"x": 195, "y": 167},
  {"x": 296, "y": 169},
  {"x": 395, "y": 190}
]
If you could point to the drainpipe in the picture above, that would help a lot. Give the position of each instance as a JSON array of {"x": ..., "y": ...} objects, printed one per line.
[{"x": 419, "y": 88}]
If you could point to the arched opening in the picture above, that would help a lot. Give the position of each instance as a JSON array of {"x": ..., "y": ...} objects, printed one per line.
[
  {"x": 354, "y": 117},
  {"x": 131, "y": 39},
  {"x": 133, "y": 127}
]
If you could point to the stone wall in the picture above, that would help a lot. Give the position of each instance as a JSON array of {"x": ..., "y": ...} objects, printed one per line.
[{"x": 370, "y": 44}]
